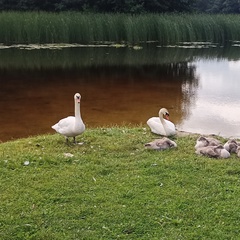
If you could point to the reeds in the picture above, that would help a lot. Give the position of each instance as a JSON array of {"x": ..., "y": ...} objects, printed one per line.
[{"x": 85, "y": 28}]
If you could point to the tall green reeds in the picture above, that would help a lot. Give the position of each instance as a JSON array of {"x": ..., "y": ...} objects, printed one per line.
[{"x": 85, "y": 28}]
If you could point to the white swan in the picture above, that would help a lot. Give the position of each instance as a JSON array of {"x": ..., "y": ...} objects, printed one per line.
[
  {"x": 161, "y": 144},
  {"x": 161, "y": 126},
  {"x": 71, "y": 126}
]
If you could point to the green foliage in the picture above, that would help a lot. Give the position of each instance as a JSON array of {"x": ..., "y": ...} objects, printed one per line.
[
  {"x": 126, "y": 6},
  {"x": 73, "y": 27},
  {"x": 217, "y": 6},
  {"x": 103, "y": 6},
  {"x": 112, "y": 187}
]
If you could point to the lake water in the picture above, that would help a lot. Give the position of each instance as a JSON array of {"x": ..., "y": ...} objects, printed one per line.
[{"x": 199, "y": 86}]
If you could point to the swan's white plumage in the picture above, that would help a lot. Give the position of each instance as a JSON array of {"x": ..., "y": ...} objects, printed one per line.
[
  {"x": 161, "y": 126},
  {"x": 71, "y": 126},
  {"x": 68, "y": 127}
]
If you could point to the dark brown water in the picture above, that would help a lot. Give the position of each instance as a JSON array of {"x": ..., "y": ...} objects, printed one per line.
[
  {"x": 31, "y": 102},
  {"x": 119, "y": 87}
]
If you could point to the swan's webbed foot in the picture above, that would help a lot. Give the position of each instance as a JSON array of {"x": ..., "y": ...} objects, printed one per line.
[
  {"x": 74, "y": 141},
  {"x": 77, "y": 143},
  {"x": 68, "y": 141}
]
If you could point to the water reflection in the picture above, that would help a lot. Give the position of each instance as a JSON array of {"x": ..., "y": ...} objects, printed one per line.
[
  {"x": 118, "y": 86},
  {"x": 217, "y": 104},
  {"x": 30, "y": 102},
  {"x": 75, "y": 58}
]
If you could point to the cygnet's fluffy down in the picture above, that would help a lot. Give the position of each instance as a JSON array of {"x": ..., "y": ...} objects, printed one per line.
[
  {"x": 206, "y": 141},
  {"x": 238, "y": 151},
  {"x": 213, "y": 152},
  {"x": 161, "y": 144},
  {"x": 231, "y": 145}
]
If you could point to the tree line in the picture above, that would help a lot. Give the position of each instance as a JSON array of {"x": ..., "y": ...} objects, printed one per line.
[
  {"x": 217, "y": 6},
  {"x": 124, "y": 6}
]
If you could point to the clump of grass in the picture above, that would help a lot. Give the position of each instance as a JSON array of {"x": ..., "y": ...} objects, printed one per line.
[
  {"x": 112, "y": 187},
  {"x": 85, "y": 28}
]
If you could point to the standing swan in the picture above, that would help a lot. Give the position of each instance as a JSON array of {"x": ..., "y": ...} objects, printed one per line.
[
  {"x": 161, "y": 126},
  {"x": 71, "y": 126}
]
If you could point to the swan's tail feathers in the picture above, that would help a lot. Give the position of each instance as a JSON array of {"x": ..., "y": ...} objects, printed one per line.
[{"x": 55, "y": 127}]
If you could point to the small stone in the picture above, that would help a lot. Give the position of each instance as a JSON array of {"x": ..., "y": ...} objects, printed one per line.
[
  {"x": 68, "y": 155},
  {"x": 26, "y": 163}
]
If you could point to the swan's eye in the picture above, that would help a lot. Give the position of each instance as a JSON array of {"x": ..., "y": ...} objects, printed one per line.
[{"x": 167, "y": 113}]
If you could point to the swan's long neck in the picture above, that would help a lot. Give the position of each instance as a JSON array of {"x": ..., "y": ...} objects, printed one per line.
[
  {"x": 77, "y": 110},
  {"x": 162, "y": 121},
  {"x": 161, "y": 118}
]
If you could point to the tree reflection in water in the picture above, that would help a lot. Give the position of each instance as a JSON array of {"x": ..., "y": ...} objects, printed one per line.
[
  {"x": 30, "y": 101},
  {"x": 118, "y": 85}
]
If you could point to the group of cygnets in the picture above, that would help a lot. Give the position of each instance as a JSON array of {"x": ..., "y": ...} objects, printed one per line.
[
  {"x": 206, "y": 146},
  {"x": 73, "y": 126},
  {"x": 212, "y": 147}
]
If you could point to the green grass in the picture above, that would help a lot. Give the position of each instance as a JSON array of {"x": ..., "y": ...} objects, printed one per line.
[
  {"x": 85, "y": 28},
  {"x": 114, "y": 188}
]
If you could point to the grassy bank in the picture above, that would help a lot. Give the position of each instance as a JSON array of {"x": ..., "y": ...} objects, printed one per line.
[
  {"x": 73, "y": 27},
  {"x": 113, "y": 188}
]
